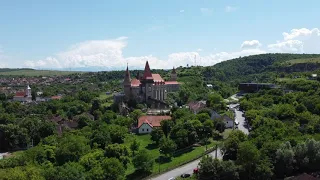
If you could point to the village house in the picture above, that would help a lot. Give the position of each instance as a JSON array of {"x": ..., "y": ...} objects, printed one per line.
[
  {"x": 225, "y": 118},
  {"x": 147, "y": 123},
  {"x": 196, "y": 106}
]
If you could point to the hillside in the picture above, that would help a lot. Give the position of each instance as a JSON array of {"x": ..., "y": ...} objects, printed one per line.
[{"x": 33, "y": 72}]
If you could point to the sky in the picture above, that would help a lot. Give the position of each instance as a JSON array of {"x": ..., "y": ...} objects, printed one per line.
[{"x": 108, "y": 34}]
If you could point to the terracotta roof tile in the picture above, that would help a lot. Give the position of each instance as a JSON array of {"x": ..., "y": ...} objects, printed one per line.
[
  {"x": 135, "y": 82},
  {"x": 157, "y": 77},
  {"x": 20, "y": 94},
  {"x": 172, "y": 82},
  {"x": 153, "y": 121}
]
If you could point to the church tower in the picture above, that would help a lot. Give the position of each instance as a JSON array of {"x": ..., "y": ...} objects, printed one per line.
[
  {"x": 173, "y": 75},
  {"x": 147, "y": 81},
  {"x": 28, "y": 92},
  {"x": 127, "y": 83}
]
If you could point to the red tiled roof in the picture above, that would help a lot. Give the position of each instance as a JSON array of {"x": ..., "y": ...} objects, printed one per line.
[
  {"x": 157, "y": 77},
  {"x": 196, "y": 105},
  {"x": 20, "y": 94},
  {"x": 153, "y": 121},
  {"x": 135, "y": 82},
  {"x": 172, "y": 82},
  {"x": 56, "y": 97}
]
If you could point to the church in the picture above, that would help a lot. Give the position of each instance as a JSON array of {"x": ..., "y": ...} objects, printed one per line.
[
  {"x": 148, "y": 87},
  {"x": 24, "y": 96}
]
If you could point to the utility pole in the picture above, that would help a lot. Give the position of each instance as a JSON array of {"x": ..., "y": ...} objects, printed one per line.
[{"x": 216, "y": 155}]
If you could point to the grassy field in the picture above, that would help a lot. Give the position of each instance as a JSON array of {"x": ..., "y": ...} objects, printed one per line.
[
  {"x": 146, "y": 143},
  {"x": 298, "y": 61},
  {"x": 30, "y": 72},
  {"x": 106, "y": 99}
]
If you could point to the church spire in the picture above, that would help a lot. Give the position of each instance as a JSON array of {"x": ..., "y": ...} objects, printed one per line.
[
  {"x": 127, "y": 78},
  {"x": 173, "y": 70},
  {"x": 147, "y": 71}
]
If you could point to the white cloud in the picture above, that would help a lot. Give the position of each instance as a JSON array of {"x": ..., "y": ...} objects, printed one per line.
[
  {"x": 206, "y": 11},
  {"x": 298, "y": 41},
  {"x": 182, "y": 10},
  {"x": 290, "y": 46},
  {"x": 230, "y": 9},
  {"x": 250, "y": 44},
  {"x": 109, "y": 53}
]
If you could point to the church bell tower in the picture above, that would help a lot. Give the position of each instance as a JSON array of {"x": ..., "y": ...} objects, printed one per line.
[{"x": 127, "y": 83}]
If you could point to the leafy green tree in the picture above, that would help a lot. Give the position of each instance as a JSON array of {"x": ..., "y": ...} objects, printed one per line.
[
  {"x": 83, "y": 121},
  {"x": 216, "y": 102},
  {"x": 134, "y": 146},
  {"x": 166, "y": 127},
  {"x": 143, "y": 161},
  {"x": 210, "y": 168},
  {"x": 167, "y": 146},
  {"x": 285, "y": 160},
  {"x": 14, "y": 136},
  {"x": 231, "y": 145},
  {"x": 202, "y": 117},
  {"x": 135, "y": 115},
  {"x": 117, "y": 133},
  {"x": 71, "y": 148},
  {"x": 156, "y": 135},
  {"x": 70, "y": 170},
  {"x": 100, "y": 137}
]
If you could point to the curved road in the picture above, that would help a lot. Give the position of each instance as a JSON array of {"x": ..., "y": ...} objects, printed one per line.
[{"x": 188, "y": 168}]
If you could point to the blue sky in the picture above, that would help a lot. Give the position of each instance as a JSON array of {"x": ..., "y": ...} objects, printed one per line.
[{"x": 108, "y": 34}]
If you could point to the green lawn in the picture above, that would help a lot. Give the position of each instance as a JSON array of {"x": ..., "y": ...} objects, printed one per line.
[
  {"x": 146, "y": 143},
  {"x": 306, "y": 60},
  {"x": 106, "y": 99},
  {"x": 30, "y": 72}
]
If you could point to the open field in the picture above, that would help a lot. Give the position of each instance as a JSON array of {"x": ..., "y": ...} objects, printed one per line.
[
  {"x": 298, "y": 61},
  {"x": 106, "y": 100},
  {"x": 31, "y": 72},
  {"x": 176, "y": 161}
]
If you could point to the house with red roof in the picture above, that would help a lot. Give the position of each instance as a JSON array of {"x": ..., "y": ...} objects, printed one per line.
[
  {"x": 147, "y": 123},
  {"x": 149, "y": 86}
]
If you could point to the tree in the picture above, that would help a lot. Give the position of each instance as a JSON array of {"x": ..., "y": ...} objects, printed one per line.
[
  {"x": 156, "y": 135},
  {"x": 211, "y": 168},
  {"x": 202, "y": 117},
  {"x": 167, "y": 146},
  {"x": 166, "y": 127},
  {"x": 231, "y": 145},
  {"x": 118, "y": 151},
  {"x": 96, "y": 104},
  {"x": 284, "y": 164},
  {"x": 248, "y": 158},
  {"x": 216, "y": 102},
  {"x": 70, "y": 170},
  {"x": 134, "y": 146},
  {"x": 71, "y": 148},
  {"x": 15, "y": 136},
  {"x": 100, "y": 137},
  {"x": 135, "y": 115},
  {"x": 117, "y": 133},
  {"x": 143, "y": 161}
]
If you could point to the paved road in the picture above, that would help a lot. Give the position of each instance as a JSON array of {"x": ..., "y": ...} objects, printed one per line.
[
  {"x": 188, "y": 168},
  {"x": 239, "y": 116}
]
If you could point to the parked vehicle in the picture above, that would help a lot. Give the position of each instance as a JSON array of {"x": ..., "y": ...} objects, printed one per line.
[{"x": 185, "y": 175}]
